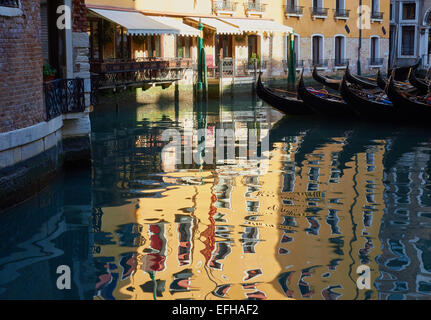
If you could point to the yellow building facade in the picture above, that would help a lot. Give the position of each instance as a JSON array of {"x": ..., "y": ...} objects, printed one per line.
[{"x": 327, "y": 33}]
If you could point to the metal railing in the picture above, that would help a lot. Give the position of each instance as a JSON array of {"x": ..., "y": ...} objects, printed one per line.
[
  {"x": 224, "y": 6},
  {"x": 317, "y": 11},
  {"x": 63, "y": 96},
  {"x": 341, "y": 13},
  {"x": 297, "y": 10},
  {"x": 299, "y": 64},
  {"x": 255, "y": 6},
  {"x": 375, "y": 61},
  {"x": 340, "y": 62},
  {"x": 320, "y": 63},
  {"x": 377, "y": 15},
  {"x": 9, "y": 3},
  {"x": 120, "y": 72}
]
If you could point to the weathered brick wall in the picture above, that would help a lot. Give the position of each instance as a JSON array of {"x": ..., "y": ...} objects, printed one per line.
[
  {"x": 21, "y": 100},
  {"x": 79, "y": 16}
]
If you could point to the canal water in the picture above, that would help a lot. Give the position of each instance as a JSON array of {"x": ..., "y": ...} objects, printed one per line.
[{"x": 333, "y": 197}]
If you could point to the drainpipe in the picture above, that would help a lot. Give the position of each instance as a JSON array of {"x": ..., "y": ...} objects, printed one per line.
[{"x": 360, "y": 38}]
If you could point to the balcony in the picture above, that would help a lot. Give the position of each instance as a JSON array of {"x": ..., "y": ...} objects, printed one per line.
[
  {"x": 299, "y": 65},
  {"x": 224, "y": 7},
  {"x": 376, "y": 17},
  {"x": 63, "y": 96},
  {"x": 255, "y": 8},
  {"x": 319, "y": 63},
  {"x": 293, "y": 11},
  {"x": 319, "y": 13},
  {"x": 341, "y": 14},
  {"x": 340, "y": 63},
  {"x": 375, "y": 62},
  {"x": 136, "y": 72},
  {"x": 9, "y": 3}
]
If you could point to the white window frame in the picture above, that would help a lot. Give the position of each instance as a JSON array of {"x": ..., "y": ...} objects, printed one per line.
[
  {"x": 322, "y": 6},
  {"x": 400, "y": 12},
  {"x": 378, "y": 48},
  {"x": 293, "y": 14},
  {"x": 323, "y": 48},
  {"x": 11, "y": 12},
  {"x": 400, "y": 39},
  {"x": 344, "y": 49}
]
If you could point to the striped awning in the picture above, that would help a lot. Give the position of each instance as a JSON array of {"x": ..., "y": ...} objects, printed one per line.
[
  {"x": 185, "y": 30},
  {"x": 219, "y": 26},
  {"x": 258, "y": 25},
  {"x": 136, "y": 23}
]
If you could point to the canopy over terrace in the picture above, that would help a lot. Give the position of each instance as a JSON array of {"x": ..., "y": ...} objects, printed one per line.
[
  {"x": 184, "y": 29},
  {"x": 136, "y": 23},
  {"x": 257, "y": 25},
  {"x": 219, "y": 26}
]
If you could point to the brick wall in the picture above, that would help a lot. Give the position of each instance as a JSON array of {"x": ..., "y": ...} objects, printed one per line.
[
  {"x": 21, "y": 100},
  {"x": 79, "y": 16}
]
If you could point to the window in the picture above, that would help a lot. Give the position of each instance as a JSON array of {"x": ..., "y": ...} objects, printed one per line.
[
  {"x": 391, "y": 15},
  {"x": 153, "y": 46},
  {"x": 10, "y": 8},
  {"x": 339, "y": 5},
  {"x": 409, "y": 11},
  {"x": 317, "y": 3},
  {"x": 317, "y": 49},
  {"x": 122, "y": 44},
  {"x": 375, "y": 6},
  {"x": 407, "y": 40},
  {"x": 183, "y": 47},
  {"x": 10, "y": 3},
  {"x": 374, "y": 54},
  {"x": 339, "y": 50}
]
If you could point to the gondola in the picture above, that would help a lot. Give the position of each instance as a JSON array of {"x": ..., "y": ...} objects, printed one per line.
[
  {"x": 287, "y": 104},
  {"x": 330, "y": 83},
  {"x": 329, "y": 105},
  {"x": 381, "y": 81},
  {"x": 419, "y": 84},
  {"x": 402, "y": 73},
  {"x": 365, "y": 106},
  {"x": 366, "y": 84},
  {"x": 408, "y": 108}
]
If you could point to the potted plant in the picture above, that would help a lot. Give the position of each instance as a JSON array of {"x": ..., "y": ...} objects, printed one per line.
[{"x": 48, "y": 73}]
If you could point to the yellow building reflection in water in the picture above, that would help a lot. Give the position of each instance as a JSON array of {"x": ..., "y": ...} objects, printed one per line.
[{"x": 299, "y": 230}]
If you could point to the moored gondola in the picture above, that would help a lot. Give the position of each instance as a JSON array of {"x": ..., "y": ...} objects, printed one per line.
[
  {"x": 368, "y": 106},
  {"x": 330, "y": 83},
  {"x": 324, "y": 104},
  {"x": 287, "y": 104},
  {"x": 402, "y": 73},
  {"x": 381, "y": 81},
  {"x": 366, "y": 84},
  {"x": 407, "y": 105},
  {"x": 419, "y": 84}
]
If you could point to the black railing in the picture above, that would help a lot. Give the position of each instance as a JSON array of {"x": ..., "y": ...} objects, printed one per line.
[
  {"x": 377, "y": 15},
  {"x": 375, "y": 61},
  {"x": 64, "y": 96},
  {"x": 317, "y": 11},
  {"x": 320, "y": 63},
  {"x": 341, "y": 13},
  {"x": 113, "y": 73},
  {"x": 297, "y": 10},
  {"x": 299, "y": 64},
  {"x": 255, "y": 6},
  {"x": 224, "y": 6},
  {"x": 9, "y": 3},
  {"x": 341, "y": 62}
]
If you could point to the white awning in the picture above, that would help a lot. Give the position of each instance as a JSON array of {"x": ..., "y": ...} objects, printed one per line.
[
  {"x": 136, "y": 23},
  {"x": 257, "y": 25},
  {"x": 220, "y": 26},
  {"x": 184, "y": 29}
]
